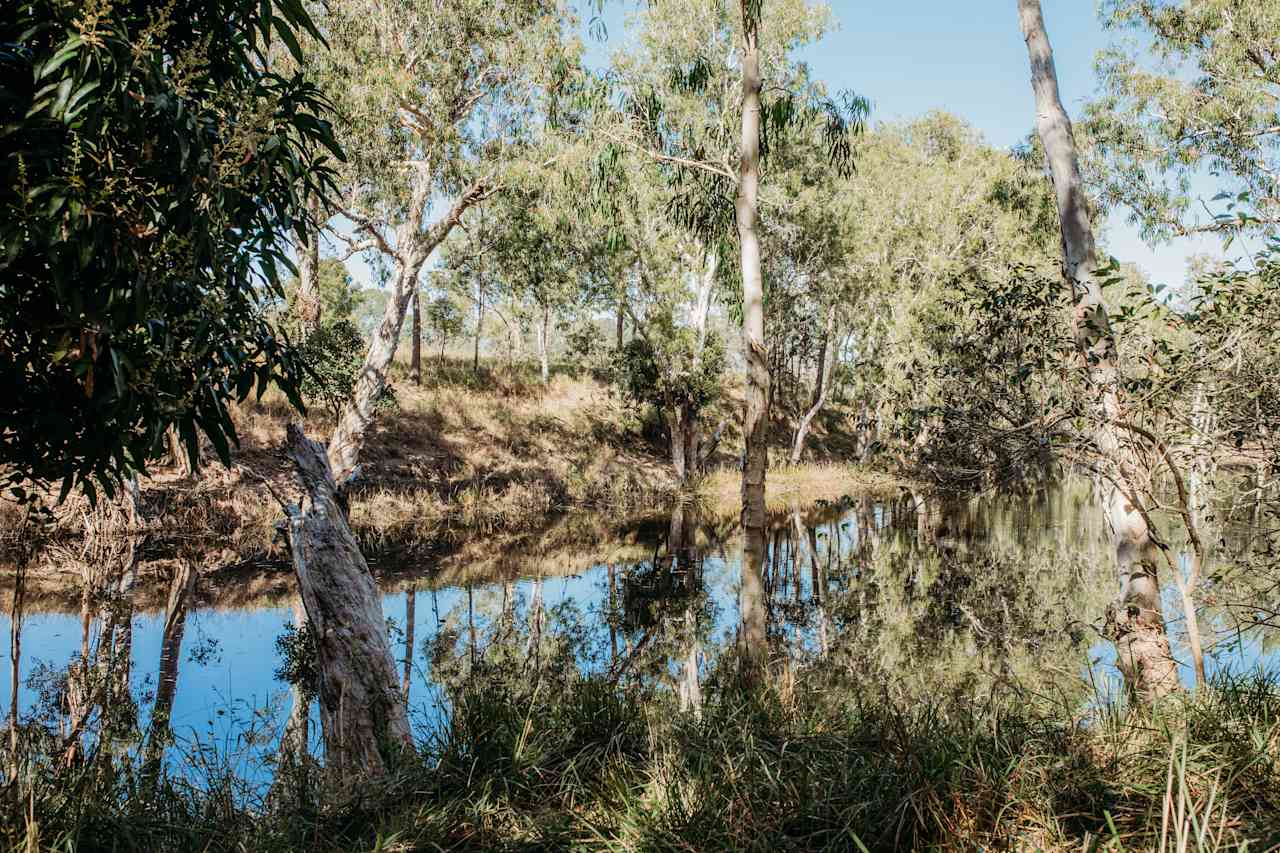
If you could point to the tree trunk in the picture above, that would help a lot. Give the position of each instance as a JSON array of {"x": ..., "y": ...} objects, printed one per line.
[
  {"x": 533, "y": 649},
  {"x": 690, "y": 684},
  {"x": 620, "y": 322},
  {"x": 753, "y": 635},
  {"x": 363, "y": 715},
  {"x": 1136, "y": 619},
  {"x": 819, "y": 391},
  {"x": 358, "y": 412},
  {"x": 308, "y": 251},
  {"x": 475, "y": 355},
  {"x": 543, "y": 331},
  {"x": 16, "y": 614},
  {"x": 684, "y": 441},
  {"x": 756, "y": 411},
  {"x": 415, "y": 357},
  {"x": 414, "y": 245}
]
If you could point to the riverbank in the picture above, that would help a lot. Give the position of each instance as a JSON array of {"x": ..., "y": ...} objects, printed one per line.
[
  {"x": 809, "y": 764},
  {"x": 464, "y": 458}
]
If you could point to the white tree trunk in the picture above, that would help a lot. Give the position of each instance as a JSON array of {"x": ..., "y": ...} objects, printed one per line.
[
  {"x": 755, "y": 418},
  {"x": 543, "y": 345},
  {"x": 363, "y": 715},
  {"x": 1137, "y": 620}
]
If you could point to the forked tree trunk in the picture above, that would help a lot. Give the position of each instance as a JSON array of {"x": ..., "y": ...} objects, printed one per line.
[
  {"x": 414, "y": 244},
  {"x": 820, "y": 391},
  {"x": 363, "y": 715},
  {"x": 684, "y": 441},
  {"x": 1136, "y": 619}
]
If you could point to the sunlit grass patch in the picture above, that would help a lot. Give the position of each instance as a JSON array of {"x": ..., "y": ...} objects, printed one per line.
[{"x": 786, "y": 487}]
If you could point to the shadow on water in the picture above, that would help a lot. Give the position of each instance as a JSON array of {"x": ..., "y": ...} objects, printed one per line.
[{"x": 916, "y": 596}]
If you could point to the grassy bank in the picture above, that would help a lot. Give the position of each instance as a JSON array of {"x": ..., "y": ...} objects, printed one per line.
[
  {"x": 580, "y": 764},
  {"x": 495, "y": 456}
]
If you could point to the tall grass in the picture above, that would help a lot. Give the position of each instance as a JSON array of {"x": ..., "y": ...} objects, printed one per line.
[{"x": 577, "y": 763}]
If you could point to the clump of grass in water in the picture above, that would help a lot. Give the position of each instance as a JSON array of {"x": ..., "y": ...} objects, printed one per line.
[{"x": 577, "y": 762}]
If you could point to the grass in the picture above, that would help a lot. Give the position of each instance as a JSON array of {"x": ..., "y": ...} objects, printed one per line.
[
  {"x": 493, "y": 454},
  {"x": 793, "y": 487},
  {"x": 461, "y": 455},
  {"x": 567, "y": 762}
]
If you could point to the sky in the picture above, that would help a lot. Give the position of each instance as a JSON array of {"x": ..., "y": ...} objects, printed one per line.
[{"x": 968, "y": 58}]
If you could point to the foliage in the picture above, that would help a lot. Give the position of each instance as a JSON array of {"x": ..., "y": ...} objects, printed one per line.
[
  {"x": 582, "y": 764},
  {"x": 1205, "y": 103},
  {"x": 987, "y": 395},
  {"x": 665, "y": 370},
  {"x": 152, "y": 164},
  {"x": 443, "y": 320},
  {"x": 339, "y": 298},
  {"x": 330, "y": 359},
  {"x": 299, "y": 666}
]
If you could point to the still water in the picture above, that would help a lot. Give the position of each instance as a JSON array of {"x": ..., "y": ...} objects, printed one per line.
[{"x": 915, "y": 595}]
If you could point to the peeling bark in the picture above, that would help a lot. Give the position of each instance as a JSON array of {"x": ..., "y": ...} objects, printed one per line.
[
  {"x": 363, "y": 715},
  {"x": 1136, "y": 619}
]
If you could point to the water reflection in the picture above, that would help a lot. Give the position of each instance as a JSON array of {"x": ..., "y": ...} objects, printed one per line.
[{"x": 907, "y": 596}]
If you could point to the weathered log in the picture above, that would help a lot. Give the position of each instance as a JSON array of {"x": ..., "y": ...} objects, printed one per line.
[{"x": 363, "y": 715}]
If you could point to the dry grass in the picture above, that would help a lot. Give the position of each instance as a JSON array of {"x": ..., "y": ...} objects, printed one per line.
[
  {"x": 496, "y": 456},
  {"x": 793, "y": 486},
  {"x": 460, "y": 456}
]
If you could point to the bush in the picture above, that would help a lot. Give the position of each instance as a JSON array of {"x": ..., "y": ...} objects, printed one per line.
[{"x": 331, "y": 359}]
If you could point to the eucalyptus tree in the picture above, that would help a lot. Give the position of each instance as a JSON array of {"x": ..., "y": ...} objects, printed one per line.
[
  {"x": 1136, "y": 619},
  {"x": 439, "y": 105},
  {"x": 668, "y": 277},
  {"x": 441, "y": 102},
  {"x": 1197, "y": 90},
  {"x": 534, "y": 261},
  {"x": 706, "y": 120},
  {"x": 693, "y": 103}
]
